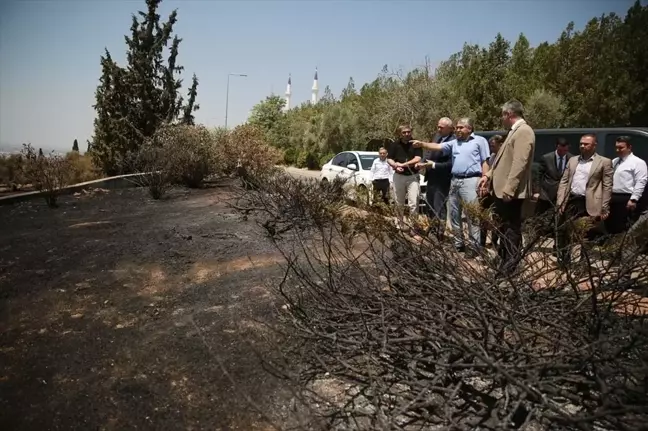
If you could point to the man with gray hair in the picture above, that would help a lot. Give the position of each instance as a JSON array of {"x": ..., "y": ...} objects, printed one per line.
[
  {"x": 469, "y": 154},
  {"x": 510, "y": 180},
  {"x": 437, "y": 176}
]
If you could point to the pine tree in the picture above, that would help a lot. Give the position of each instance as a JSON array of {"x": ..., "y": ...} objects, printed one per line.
[
  {"x": 132, "y": 102},
  {"x": 89, "y": 146},
  {"x": 75, "y": 146},
  {"x": 40, "y": 153},
  {"x": 192, "y": 106}
]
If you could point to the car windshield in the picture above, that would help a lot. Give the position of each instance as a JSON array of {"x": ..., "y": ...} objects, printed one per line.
[{"x": 367, "y": 161}]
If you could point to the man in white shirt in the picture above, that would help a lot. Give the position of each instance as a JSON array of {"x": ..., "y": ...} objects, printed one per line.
[
  {"x": 382, "y": 175},
  {"x": 585, "y": 190},
  {"x": 629, "y": 183}
]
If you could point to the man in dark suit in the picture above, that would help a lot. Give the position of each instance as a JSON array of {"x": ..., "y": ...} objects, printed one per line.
[
  {"x": 486, "y": 202},
  {"x": 437, "y": 175},
  {"x": 552, "y": 166}
]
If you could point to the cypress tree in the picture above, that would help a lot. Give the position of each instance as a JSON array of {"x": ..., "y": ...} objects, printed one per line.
[{"x": 132, "y": 102}]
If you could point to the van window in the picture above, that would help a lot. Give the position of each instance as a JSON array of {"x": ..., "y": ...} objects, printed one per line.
[
  {"x": 639, "y": 144},
  {"x": 544, "y": 144}
]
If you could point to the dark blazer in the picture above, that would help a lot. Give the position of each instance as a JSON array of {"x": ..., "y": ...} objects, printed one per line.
[
  {"x": 549, "y": 177},
  {"x": 442, "y": 164}
]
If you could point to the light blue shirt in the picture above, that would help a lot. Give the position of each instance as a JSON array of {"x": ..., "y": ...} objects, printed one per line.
[{"x": 467, "y": 156}]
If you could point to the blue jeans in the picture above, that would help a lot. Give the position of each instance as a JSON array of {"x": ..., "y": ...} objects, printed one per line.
[{"x": 463, "y": 190}]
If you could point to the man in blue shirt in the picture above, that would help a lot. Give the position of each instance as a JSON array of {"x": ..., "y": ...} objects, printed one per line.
[{"x": 469, "y": 160}]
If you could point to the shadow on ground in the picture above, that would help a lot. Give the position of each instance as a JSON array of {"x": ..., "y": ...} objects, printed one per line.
[{"x": 119, "y": 312}]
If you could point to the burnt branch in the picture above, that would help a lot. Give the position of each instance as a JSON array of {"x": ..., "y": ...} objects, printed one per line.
[{"x": 381, "y": 331}]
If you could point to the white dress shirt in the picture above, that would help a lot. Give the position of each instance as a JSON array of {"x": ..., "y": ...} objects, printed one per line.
[
  {"x": 630, "y": 176},
  {"x": 380, "y": 170},
  {"x": 580, "y": 177}
]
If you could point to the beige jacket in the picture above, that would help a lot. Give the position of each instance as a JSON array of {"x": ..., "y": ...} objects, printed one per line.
[
  {"x": 512, "y": 167},
  {"x": 598, "y": 190}
]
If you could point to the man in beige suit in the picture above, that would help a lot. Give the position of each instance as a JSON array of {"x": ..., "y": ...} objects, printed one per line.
[
  {"x": 585, "y": 190},
  {"x": 510, "y": 181}
]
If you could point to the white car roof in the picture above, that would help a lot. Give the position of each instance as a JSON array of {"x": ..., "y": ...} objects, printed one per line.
[{"x": 364, "y": 153}]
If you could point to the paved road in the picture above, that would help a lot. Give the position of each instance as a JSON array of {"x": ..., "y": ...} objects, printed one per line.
[{"x": 302, "y": 173}]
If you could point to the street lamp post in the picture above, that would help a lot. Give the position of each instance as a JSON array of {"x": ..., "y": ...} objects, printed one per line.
[{"x": 227, "y": 94}]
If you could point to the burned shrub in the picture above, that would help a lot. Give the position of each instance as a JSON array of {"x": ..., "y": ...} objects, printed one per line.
[
  {"x": 151, "y": 162},
  {"x": 244, "y": 151},
  {"x": 48, "y": 174},
  {"x": 291, "y": 203},
  {"x": 189, "y": 151},
  {"x": 82, "y": 168},
  {"x": 427, "y": 339},
  {"x": 176, "y": 154}
]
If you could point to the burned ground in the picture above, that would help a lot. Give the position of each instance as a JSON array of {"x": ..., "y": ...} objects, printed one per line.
[{"x": 123, "y": 312}]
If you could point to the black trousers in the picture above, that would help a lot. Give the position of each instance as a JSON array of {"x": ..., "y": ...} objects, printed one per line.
[
  {"x": 436, "y": 198},
  {"x": 545, "y": 213},
  {"x": 381, "y": 187},
  {"x": 620, "y": 217},
  {"x": 486, "y": 203},
  {"x": 575, "y": 209},
  {"x": 509, "y": 217}
]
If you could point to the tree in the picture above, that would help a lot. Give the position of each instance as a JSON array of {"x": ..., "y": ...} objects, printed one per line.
[
  {"x": 593, "y": 77},
  {"x": 544, "y": 110},
  {"x": 269, "y": 117},
  {"x": 75, "y": 146},
  {"x": 134, "y": 101},
  {"x": 40, "y": 152},
  {"x": 191, "y": 107}
]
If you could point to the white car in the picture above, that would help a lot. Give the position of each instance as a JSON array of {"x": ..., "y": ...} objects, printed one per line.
[
  {"x": 352, "y": 166},
  {"x": 355, "y": 168}
]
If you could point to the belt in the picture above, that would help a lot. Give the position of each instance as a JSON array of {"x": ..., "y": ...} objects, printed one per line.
[{"x": 464, "y": 176}]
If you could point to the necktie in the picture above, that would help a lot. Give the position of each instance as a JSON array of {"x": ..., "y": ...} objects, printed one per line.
[{"x": 560, "y": 165}]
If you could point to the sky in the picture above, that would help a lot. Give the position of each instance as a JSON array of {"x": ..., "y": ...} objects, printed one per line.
[{"x": 50, "y": 50}]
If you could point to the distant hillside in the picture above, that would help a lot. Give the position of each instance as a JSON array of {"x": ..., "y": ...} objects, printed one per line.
[
  {"x": 13, "y": 148},
  {"x": 10, "y": 148}
]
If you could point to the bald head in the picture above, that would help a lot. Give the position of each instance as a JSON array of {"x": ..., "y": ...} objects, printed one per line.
[{"x": 445, "y": 127}]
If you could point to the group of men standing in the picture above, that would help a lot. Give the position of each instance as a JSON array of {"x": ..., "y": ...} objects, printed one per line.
[
  {"x": 466, "y": 171},
  {"x": 608, "y": 192}
]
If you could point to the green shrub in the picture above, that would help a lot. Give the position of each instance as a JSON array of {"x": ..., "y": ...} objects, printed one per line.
[
  {"x": 307, "y": 159},
  {"x": 325, "y": 159},
  {"x": 290, "y": 156},
  {"x": 81, "y": 168}
]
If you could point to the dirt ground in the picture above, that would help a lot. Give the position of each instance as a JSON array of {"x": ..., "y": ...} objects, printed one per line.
[{"x": 120, "y": 312}]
